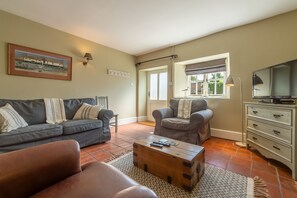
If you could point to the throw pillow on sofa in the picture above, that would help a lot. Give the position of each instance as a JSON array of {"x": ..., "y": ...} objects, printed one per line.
[
  {"x": 87, "y": 111},
  {"x": 10, "y": 119}
]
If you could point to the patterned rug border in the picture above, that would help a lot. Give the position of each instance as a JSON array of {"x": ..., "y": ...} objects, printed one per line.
[
  {"x": 117, "y": 156},
  {"x": 120, "y": 156},
  {"x": 256, "y": 187}
]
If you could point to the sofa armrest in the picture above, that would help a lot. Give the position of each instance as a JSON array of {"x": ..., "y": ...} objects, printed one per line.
[
  {"x": 105, "y": 115},
  {"x": 28, "y": 171},
  {"x": 136, "y": 192},
  {"x": 201, "y": 117},
  {"x": 160, "y": 114}
]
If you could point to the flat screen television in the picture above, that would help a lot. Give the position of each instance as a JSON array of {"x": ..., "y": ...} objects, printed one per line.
[{"x": 277, "y": 82}]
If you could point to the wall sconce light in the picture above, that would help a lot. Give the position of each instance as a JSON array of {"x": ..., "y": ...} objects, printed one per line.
[{"x": 87, "y": 56}]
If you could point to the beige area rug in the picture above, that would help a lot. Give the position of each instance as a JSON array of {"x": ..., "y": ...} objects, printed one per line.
[{"x": 215, "y": 183}]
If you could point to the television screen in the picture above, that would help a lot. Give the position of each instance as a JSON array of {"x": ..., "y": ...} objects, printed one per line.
[{"x": 278, "y": 81}]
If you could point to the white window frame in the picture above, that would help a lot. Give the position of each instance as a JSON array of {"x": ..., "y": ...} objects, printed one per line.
[
  {"x": 226, "y": 92},
  {"x": 205, "y": 82},
  {"x": 158, "y": 72}
]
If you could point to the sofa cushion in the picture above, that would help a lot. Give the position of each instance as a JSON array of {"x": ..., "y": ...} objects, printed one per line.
[
  {"x": 33, "y": 111},
  {"x": 10, "y": 119},
  {"x": 76, "y": 126},
  {"x": 176, "y": 123},
  {"x": 30, "y": 133},
  {"x": 87, "y": 111},
  {"x": 72, "y": 105}
]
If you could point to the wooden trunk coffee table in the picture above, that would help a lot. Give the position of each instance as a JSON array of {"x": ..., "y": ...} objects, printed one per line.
[{"x": 181, "y": 164}]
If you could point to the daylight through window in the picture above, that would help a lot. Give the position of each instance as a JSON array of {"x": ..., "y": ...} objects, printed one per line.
[
  {"x": 207, "y": 78},
  {"x": 211, "y": 84}
]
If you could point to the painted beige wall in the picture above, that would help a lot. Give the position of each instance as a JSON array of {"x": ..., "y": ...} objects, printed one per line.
[
  {"x": 86, "y": 81},
  {"x": 251, "y": 47},
  {"x": 142, "y": 93},
  {"x": 180, "y": 81}
]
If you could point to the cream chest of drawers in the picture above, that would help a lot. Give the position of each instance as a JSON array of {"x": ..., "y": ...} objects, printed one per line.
[{"x": 271, "y": 129}]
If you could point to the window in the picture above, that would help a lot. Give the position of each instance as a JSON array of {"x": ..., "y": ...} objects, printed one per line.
[
  {"x": 207, "y": 78},
  {"x": 154, "y": 87},
  {"x": 163, "y": 86},
  {"x": 158, "y": 86},
  {"x": 211, "y": 84}
]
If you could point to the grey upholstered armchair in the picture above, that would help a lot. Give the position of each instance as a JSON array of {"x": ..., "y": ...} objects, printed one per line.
[{"x": 194, "y": 130}]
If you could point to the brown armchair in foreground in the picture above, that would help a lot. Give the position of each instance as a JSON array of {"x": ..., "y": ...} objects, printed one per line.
[
  {"x": 194, "y": 130},
  {"x": 53, "y": 170}
]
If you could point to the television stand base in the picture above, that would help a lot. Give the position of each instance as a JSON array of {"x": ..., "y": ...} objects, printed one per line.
[
  {"x": 278, "y": 101},
  {"x": 283, "y": 101}
]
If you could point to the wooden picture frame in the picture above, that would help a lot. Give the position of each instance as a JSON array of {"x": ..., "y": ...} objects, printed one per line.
[{"x": 25, "y": 61}]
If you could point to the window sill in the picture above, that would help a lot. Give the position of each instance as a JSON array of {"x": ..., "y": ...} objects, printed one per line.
[{"x": 209, "y": 97}]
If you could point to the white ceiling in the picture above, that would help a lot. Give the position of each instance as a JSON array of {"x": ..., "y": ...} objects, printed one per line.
[{"x": 141, "y": 26}]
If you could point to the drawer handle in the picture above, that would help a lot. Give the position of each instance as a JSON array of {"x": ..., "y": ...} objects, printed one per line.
[
  {"x": 276, "y": 132},
  {"x": 255, "y": 112},
  {"x": 277, "y": 115},
  {"x": 255, "y": 125},
  {"x": 254, "y": 138},
  {"x": 276, "y": 148}
]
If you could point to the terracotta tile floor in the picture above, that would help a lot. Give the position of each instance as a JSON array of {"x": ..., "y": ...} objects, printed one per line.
[{"x": 219, "y": 152}]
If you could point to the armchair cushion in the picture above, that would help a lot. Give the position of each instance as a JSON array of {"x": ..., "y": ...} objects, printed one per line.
[
  {"x": 135, "y": 192},
  {"x": 53, "y": 170},
  {"x": 94, "y": 179},
  {"x": 194, "y": 130},
  {"x": 176, "y": 123},
  {"x": 25, "y": 172},
  {"x": 197, "y": 105}
]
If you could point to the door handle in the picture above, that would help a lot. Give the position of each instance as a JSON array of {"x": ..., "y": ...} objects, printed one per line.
[
  {"x": 277, "y": 115},
  {"x": 276, "y": 148}
]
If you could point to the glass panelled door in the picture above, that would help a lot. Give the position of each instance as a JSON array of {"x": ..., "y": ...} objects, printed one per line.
[{"x": 157, "y": 94}]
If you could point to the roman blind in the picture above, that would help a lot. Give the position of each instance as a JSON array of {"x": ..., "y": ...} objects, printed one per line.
[{"x": 212, "y": 66}]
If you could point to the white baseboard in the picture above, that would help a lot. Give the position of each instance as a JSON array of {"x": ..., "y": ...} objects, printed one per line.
[
  {"x": 127, "y": 120},
  {"x": 225, "y": 134},
  {"x": 220, "y": 133},
  {"x": 142, "y": 118},
  {"x": 132, "y": 120}
]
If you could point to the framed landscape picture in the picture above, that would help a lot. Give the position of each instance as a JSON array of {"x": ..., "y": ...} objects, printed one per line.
[{"x": 25, "y": 61}]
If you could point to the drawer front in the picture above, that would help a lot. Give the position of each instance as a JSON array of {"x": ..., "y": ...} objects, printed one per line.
[
  {"x": 280, "y": 133},
  {"x": 281, "y": 116},
  {"x": 279, "y": 149}
]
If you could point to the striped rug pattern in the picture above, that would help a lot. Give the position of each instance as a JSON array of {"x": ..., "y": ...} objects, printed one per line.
[{"x": 214, "y": 183}]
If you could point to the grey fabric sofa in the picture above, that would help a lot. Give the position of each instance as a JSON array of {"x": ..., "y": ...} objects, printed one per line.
[
  {"x": 85, "y": 132},
  {"x": 194, "y": 130}
]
